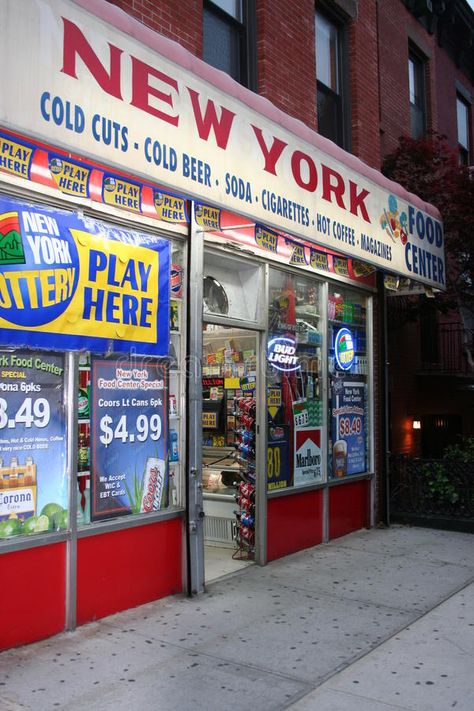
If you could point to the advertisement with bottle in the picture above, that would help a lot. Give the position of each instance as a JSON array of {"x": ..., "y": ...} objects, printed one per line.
[
  {"x": 129, "y": 437},
  {"x": 348, "y": 427},
  {"x": 33, "y": 484}
]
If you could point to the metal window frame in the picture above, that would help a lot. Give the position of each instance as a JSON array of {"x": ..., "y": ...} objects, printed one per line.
[{"x": 246, "y": 30}]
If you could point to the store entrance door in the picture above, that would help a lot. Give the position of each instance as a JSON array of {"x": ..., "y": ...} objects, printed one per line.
[{"x": 229, "y": 437}]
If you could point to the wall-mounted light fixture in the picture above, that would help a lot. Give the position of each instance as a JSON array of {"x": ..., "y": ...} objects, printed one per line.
[{"x": 417, "y": 424}]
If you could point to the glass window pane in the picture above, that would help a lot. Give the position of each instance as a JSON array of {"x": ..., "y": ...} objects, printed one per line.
[
  {"x": 232, "y": 287},
  {"x": 231, "y": 7},
  {"x": 221, "y": 44},
  {"x": 463, "y": 123},
  {"x": 416, "y": 85},
  {"x": 329, "y": 114},
  {"x": 348, "y": 367},
  {"x": 327, "y": 53},
  {"x": 411, "y": 80},
  {"x": 294, "y": 381}
]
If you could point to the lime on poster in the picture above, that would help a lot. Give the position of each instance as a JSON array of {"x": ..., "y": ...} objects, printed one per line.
[{"x": 33, "y": 483}]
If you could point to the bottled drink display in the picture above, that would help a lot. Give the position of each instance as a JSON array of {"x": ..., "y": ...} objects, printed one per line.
[{"x": 244, "y": 413}]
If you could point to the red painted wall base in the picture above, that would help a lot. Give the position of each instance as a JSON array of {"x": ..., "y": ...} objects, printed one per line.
[
  {"x": 348, "y": 508},
  {"x": 293, "y": 523},
  {"x": 123, "y": 569},
  {"x": 115, "y": 571},
  {"x": 33, "y": 594}
]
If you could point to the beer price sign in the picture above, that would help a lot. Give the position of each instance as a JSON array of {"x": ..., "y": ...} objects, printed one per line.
[
  {"x": 348, "y": 429},
  {"x": 33, "y": 482},
  {"x": 128, "y": 408}
]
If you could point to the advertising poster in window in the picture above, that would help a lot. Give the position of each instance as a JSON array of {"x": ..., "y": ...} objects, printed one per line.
[
  {"x": 308, "y": 467},
  {"x": 70, "y": 282},
  {"x": 33, "y": 483},
  {"x": 278, "y": 457},
  {"x": 128, "y": 438},
  {"x": 348, "y": 427}
]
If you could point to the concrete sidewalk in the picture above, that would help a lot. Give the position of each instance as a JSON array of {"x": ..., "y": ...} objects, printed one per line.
[{"x": 380, "y": 619}]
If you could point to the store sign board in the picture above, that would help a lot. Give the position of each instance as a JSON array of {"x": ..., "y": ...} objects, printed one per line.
[
  {"x": 33, "y": 481},
  {"x": 85, "y": 83},
  {"x": 128, "y": 438},
  {"x": 308, "y": 466},
  {"x": 70, "y": 282},
  {"x": 348, "y": 424}
]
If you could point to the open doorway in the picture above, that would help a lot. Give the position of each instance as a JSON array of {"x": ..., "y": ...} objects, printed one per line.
[{"x": 229, "y": 387}]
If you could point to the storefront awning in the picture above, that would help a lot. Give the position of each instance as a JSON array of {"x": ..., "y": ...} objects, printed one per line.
[{"x": 97, "y": 81}]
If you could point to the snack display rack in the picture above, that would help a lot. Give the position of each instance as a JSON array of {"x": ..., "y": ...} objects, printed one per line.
[{"x": 245, "y": 494}]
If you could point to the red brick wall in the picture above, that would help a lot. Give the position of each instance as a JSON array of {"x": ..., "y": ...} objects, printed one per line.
[
  {"x": 364, "y": 85},
  {"x": 180, "y": 21},
  {"x": 446, "y": 74},
  {"x": 396, "y": 28},
  {"x": 286, "y": 56}
]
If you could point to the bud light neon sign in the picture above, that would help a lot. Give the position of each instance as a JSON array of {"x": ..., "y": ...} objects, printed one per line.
[
  {"x": 344, "y": 349},
  {"x": 281, "y": 354}
]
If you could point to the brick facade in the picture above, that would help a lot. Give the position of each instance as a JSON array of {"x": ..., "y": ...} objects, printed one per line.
[{"x": 379, "y": 34}]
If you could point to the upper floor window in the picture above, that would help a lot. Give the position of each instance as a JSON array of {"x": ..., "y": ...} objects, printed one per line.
[
  {"x": 462, "y": 110},
  {"x": 416, "y": 85},
  {"x": 228, "y": 38},
  {"x": 330, "y": 74}
]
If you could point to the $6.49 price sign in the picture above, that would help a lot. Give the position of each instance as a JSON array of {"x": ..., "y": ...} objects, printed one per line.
[{"x": 129, "y": 429}]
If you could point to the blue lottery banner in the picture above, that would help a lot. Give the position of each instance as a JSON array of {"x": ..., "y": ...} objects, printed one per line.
[
  {"x": 70, "y": 282},
  {"x": 348, "y": 427},
  {"x": 129, "y": 435},
  {"x": 33, "y": 482}
]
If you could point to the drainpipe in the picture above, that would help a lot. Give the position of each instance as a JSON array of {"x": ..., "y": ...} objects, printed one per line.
[{"x": 384, "y": 401}]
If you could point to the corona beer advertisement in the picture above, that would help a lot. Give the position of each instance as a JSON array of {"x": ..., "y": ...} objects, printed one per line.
[
  {"x": 33, "y": 482},
  {"x": 70, "y": 282}
]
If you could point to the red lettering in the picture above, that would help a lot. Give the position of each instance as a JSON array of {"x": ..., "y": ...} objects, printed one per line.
[
  {"x": 75, "y": 43},
  {"x": 204, "y": 124},
  {"x": 337, "y": 187},
  {"x": 271, "y": 156},
  {"x": 141, "y": 90},
  {"x": 357, "y": 201},
  {"x": 312, "y": 181}
]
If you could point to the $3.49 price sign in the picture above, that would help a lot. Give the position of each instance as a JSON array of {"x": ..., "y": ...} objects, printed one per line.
[
  {"x": 129, "y": 429},
  {"x": 349, "y": 426},
  {"x": 31, "y": 412}
]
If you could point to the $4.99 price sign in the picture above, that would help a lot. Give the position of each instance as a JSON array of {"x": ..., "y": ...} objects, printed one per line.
[
  {"x": 128, "y": 437},
  {"x": 131, "y": 429}
]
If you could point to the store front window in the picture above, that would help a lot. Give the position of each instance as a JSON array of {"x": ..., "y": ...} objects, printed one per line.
[
  {"x": 348, "y": 365},
  {"x": 107, "y": 302},
  {"x": 294, "y": 382},
  {"x": 129, "y": 424}
]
